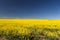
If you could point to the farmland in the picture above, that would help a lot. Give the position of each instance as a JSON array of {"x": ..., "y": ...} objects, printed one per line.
[{"x": 26, "y": 29}]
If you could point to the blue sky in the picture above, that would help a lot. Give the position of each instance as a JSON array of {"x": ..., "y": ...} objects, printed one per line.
[{"x": 35, "y": 9}]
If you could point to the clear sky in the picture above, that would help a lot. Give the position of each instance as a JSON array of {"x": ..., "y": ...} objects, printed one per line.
[{"x": 37, "y": 9}]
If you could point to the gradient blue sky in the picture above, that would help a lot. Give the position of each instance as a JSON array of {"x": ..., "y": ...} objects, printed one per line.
[{"x": 40, "y": 9}]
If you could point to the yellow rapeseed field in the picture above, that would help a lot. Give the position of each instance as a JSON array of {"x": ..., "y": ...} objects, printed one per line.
[{"x": 24, "y": 29}]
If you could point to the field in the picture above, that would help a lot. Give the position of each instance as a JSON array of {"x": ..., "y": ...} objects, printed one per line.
[{"x": 27, "y": 29}]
